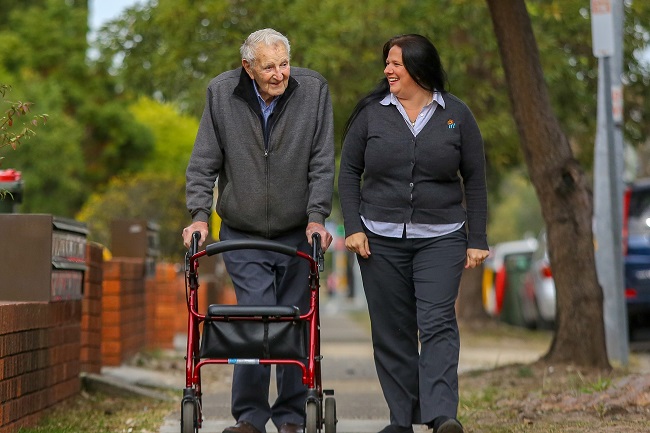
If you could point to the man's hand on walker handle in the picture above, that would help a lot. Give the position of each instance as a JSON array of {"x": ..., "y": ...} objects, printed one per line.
[
  {"x": 325, "y": 236},
  {"x": 197, "y": 226}
]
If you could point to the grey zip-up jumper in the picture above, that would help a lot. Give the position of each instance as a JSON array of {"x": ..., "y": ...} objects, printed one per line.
[
  {"x": 269, "y": 181},
  {"x": 387, "y": 174}
]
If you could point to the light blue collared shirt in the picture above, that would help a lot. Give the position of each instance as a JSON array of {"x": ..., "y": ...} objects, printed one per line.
[
  {"x": 424, "y": 116},
  {"x": 412, "y": 230},
  {"x": 266, "y": 109}
]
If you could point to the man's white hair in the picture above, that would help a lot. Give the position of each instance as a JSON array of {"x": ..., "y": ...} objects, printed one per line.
[{"x": 268, "y": 37}]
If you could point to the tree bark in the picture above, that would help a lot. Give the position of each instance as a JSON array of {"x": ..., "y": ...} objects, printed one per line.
[
  {"x": 563, "y": 191},
  {"x": 469, "y": 306}
]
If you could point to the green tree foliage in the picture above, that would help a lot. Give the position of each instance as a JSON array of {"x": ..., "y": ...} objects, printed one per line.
[
  {"x": 49, "y": 184},
  {"x": 150, "y": 51},
  {"x": 636, "y": 76},
  {"x": 173, "y": 134},
  {"x": 515, "y": 211},
  {"x": 91, "y": 135},
  {"x": 114, "y": 142},
  {"x": 13, "y": 127},
  {"x": 155, "y": 197},
  {"x": 155, "y": 53},
  {"x": 173, "y": 59},
  {"x": 157, "y": 192},
  {"x": 52, "y": 163}
]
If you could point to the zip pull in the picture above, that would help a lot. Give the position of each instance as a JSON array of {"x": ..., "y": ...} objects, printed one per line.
[{"x": 266, "y": 153}]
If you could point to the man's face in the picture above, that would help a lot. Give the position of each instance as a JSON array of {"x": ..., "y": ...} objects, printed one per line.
[{"x": 271, "y": 70}]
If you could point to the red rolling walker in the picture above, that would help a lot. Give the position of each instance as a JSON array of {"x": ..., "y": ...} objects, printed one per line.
[{"x": 248, "y": 334}]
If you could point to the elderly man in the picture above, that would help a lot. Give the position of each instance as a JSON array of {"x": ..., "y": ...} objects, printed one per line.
[{"x": 267, "y": 135}]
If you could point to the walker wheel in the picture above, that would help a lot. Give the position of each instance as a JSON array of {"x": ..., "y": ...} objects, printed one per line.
[
  {"x": 312, "y": 418},
  {"x": 188, "y": 416},
  {"x": 330, "y": 415}
]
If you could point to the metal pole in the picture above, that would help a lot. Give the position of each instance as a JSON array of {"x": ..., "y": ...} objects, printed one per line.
[
  {"x": 615, "y": 311},
  {"x": 608, "y": 182}
]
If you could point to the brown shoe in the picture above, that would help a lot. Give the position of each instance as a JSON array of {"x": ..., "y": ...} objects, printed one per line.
[
  {"x": 450, "y": 425},
  {"x": 242, "y": 427},
  {"x": 287, "y": 427}
]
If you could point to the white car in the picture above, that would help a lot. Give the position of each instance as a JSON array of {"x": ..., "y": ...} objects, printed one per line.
[
  {"x": 537, "y": 295},
  {"x": 502, "y": 273}
]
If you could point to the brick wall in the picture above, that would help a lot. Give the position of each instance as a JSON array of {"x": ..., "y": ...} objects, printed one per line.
[
  {"x": 167, "y": 303},
  {"x": 123, "y": 310},
  {"x": 139, "y": 312},
  {"x": 91, "y": 311},
  {"x": 163, "y": 308},
  {"x": 39, "y": 359},
  {"x": 44, "y": 346}
]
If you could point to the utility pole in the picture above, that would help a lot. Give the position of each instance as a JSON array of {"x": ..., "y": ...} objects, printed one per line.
[{"x": 607, "y": 37}]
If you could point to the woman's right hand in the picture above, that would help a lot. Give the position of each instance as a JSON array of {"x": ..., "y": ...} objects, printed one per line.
[{"x": 358, "y": 243}]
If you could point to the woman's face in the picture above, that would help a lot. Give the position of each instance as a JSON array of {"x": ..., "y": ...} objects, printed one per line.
[{"x": 402, "y": 85}]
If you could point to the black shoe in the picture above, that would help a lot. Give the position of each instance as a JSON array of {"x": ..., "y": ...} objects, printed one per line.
[
  {"x": 396, "y": 429},
  {"x": 242, "y": 427},
  {"x": 444, "y": 424}
]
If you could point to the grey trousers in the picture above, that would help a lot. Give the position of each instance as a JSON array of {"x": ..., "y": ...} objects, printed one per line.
[
  {"x": 411, "y": 286},
  {"x": 268, "y": 278}
]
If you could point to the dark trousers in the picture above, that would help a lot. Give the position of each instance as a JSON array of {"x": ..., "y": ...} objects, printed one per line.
[
  {"x": 268, "y": 278},
  {"x": 411, "y": 286}
]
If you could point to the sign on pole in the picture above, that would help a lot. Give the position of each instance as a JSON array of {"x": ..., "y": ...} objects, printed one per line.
[
  {"x": 617, "y": 104},
  {"x": 602, "y": 28}
]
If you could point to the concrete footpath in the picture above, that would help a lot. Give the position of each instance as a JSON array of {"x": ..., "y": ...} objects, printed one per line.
[{"x": 347, "y": 368}]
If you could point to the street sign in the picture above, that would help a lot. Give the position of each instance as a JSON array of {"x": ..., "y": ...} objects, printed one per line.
[
  {"x": 617, "y": 104},
  {"x": 602, "y": 28}
]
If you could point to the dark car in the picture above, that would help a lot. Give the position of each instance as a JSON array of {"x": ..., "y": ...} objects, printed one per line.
[{"x": 636, "y": 236}]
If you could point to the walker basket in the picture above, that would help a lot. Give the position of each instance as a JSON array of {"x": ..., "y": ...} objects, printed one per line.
[{"x": 261, "y": 339}]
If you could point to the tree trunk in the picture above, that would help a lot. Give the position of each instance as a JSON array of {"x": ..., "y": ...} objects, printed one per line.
[
  {"x": 563, "y": 191},
  {"x": 469, "y": 307}
]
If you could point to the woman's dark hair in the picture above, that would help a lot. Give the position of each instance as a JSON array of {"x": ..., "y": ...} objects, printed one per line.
[{"x": 421, "y": 60}]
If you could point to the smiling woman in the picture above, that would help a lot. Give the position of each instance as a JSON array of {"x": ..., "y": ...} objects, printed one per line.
[{"x": 401, "y": 197}]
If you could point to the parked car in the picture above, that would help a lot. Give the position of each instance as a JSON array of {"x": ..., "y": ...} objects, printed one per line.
[
  {"x": 502, "y": 273},
  {"x": 537, "y": 293},
  {"x": 636, "y": 247},
  {"x": 537, "y": 296}
]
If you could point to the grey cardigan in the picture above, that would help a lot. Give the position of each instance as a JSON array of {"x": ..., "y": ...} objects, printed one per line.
[
  {"x": 269, "y": 182},
  {"x": 421, "y": 179}
]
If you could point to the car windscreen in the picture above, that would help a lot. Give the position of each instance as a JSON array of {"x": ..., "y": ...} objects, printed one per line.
[{"x": 639, "y": 212}]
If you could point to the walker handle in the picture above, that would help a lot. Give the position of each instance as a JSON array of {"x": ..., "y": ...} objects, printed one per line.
[
  {"x": 255, "y": 244},
  {"x": 194, "y": 246},
  {"x": 191, "y": 265},
  {"x": 317, "y": 251}
]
